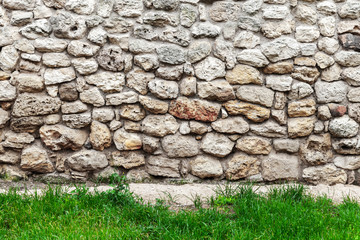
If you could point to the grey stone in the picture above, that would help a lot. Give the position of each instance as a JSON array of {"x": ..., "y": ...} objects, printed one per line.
[
  {"x": 154, "y": 105},
  {"x": 171, "y": 54},
  {"x": 354, "y": 95},
  {"x": 198, "y": 50},
  {"x": 300, "y": 90},
  {"x": 59, "y": 75},
  {"x": 127, "y": 159},
  {"x": 67, "y": 26},
  {"x": 33, "y": 105},
  {"x": 120, "y": 98},
  {"x": 164, "y": 89},
  {"x": 218, "y": 90},
  {"x": 7, "y": 91},
  {"x": 108, "y": 82},
  {"x": 316, "y": 150},
  {"x": 104, "y": 8},
  {"x": 104, "y": 114},
  {"x": 351, "y": 9},
  {"x": 163, "y": 167},
  {"x": 286, "y": 145},
  {"x": 281, "y": 49},
  {"x": 146, "y": 32},
  {"x": 210, "y": 68},
  {"x": 275, "y": 12},
  {"x": 8, "y": 58},
  {"x": 306, "y": 34},
  {"x": 56, "y": 60},
  {"x": 206, "y": 167},
  {"x": 327, "y": 26},
  {"x": 343, "y": 127},
  {"x": 231, "y": 125},
  {"x": 38, "y": 28},
  {"x": 252, "y": 57},
  {"x": 328, "y": 45},
  {"x": 147, "y": 61},
  {"x": 216, "y": 144},
  {"x": 280, "y": 83},
  {"x": 323, "y": 60},
  {"x": 269, "y": 129},
  {"x": 128, "y": 8},
  {"x": 327, "y": 174},
  {"x": 347, "y": 162},
  {"x": 188, "y": 86},
  {"x": 276, "y": 29},
  {"x": 205, "y": 30},
  {"x": 249, "y": 23},
  {"x": 306, "y": 14},
  {"x": 59, "y": 137},
  {"x": 176, "y": 35},
  {"x": 117, "y": 24},
  {"x": 161, "y": 19},
  {"x": 92, "y": 96},
  {"x": 73, "y": 107},
  {"x": 256, "y": 94},
  {"x": 50, "y": 45},
  {"x": 159, "y": 125},
  {"x": 246, "y": 39},
  {"x": 347, "y": 58},
  {"x": 351, "y": 76},
  {"x": 80, "y": 7},
  {"x": 4, "y": 117},
  {"x": 97, "y": 35},
  {"x": 330, "y": 92},
  {"x": 68, "y": 92},
  {"x": 188, "y": 15},
  {"x": 280, "y": 166},
  {"x": 19, "y": 5},
  {"x": 87, "y": 160},
  {"x": 111, "y": 58},
  {"x": 180, "y": 146},
  {"x": 10, "y": 157},
  {"x": 78, "y": 120},
  {"x": 170, "y": 73},
  {"x": 79, "y": 48}
]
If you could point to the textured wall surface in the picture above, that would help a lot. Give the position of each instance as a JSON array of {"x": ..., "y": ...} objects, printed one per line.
[{"x": 260, "y": 90}]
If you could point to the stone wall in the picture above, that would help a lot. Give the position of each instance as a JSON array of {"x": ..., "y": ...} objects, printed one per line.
[{"x": 260, "y": 90}]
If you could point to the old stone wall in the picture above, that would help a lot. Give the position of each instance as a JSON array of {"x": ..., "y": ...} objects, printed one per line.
[{"x": 260, "y": 90}]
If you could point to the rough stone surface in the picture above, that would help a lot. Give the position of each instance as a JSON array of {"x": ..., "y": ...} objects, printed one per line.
[
  {"x": 180, "y": 146},
  {"x": 200, "y": 110},
  {"x": 280, "y": 166},
  {"x": 87, "y": 160},
  {"x": 316, "y": 150},
  {"x": 32, "y": 105},
  {"x": 327, "y": 174},
  {"x": 250, "y": 111},
  {"x": 242, "y": 166},
  {"x": 254, "y": 145},
  {"x": 300, "y": 127},
  {"x": 100, "y": 136},
  {"x": 127, "y": 159},
  {"x": 343, "y": 127},
  {"x": 159, "y": 125},
  {"x": 217, "y": 144},
  {"x": 232, "y": 125},
  {"x": 127, "y": 141},
  {"x": 59, "y": 137},
  {"x": 218, "y": 90},
  {"x": 35, "y": 159},
  {"x": 206, "y": 167},
  {"x": 243, "y": 74},
  {"x": 163, "y": 166}
]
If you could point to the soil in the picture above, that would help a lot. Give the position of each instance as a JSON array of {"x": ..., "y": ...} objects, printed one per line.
[{"x": 185, "y": 194}]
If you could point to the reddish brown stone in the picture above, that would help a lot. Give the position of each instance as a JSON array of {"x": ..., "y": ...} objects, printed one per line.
[
  {"x": 350, "y": 41},
  {"x": 337, "y": 110},
  {"x": 6, "y": 105},
  {"x": 200, "y": 110}
]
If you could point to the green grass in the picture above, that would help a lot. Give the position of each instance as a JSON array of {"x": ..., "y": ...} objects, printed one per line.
[{"x": 235, "y": 213}]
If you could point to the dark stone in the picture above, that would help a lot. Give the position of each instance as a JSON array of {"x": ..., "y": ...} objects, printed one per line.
[
  {"x": 350, "y": 41},
  {"x": 68, "y": 92}
]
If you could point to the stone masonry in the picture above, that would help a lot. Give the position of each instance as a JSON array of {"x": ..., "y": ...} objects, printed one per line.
[{"x": 259, "y": 90}]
